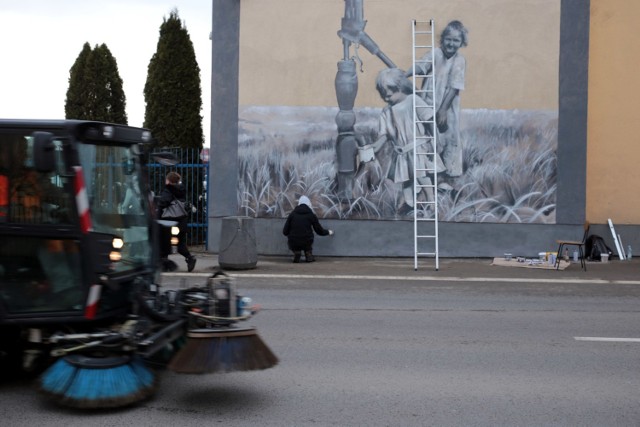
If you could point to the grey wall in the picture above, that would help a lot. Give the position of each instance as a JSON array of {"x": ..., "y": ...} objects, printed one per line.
[
  {"x": 572, "y": 111},
  {"x": 395, "y": 238},
  {"x": 223, "y": 154}
]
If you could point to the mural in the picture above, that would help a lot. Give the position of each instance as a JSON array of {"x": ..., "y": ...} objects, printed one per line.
[{"x": 357, "y": 163}]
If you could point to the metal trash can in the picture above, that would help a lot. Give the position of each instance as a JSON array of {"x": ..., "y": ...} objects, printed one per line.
[{"x": 238, "y": 248}]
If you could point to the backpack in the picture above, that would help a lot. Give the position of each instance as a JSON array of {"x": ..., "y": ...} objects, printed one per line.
[{"x": 595, "y": 246}]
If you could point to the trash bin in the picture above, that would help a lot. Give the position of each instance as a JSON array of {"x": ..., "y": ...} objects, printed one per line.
[{"x": 238, "y": 248}]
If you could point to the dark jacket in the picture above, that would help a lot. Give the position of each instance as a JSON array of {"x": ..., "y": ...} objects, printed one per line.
[
  {"x": 168, "y": 193},
  {"x": 299, "y": 228}
]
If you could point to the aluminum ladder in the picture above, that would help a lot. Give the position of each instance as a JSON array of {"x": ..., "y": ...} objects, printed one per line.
[{"x": 425, "y": 213}]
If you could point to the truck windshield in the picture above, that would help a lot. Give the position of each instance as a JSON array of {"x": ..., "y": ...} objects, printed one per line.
[
  {"x": 116, "y": 202},
  {"x": 41, "y": 247}
]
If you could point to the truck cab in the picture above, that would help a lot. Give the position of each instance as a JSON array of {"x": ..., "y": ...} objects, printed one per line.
[{"x": 77, "y": 229}]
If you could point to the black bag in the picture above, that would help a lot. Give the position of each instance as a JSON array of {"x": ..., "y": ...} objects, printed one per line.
[
  {"x": 596, "y": 246},
  {"x": 174, "y": 210}
]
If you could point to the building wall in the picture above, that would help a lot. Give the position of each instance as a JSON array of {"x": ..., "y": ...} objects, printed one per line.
[
  {"x": 613, "y": 127},
  {"x": 293, "y": 63}
]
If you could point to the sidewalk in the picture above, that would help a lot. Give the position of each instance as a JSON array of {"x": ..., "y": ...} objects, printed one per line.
[{"x": 449, "y": 268}]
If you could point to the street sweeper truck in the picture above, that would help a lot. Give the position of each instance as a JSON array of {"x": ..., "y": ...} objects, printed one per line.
[{"x": 81, "y": 301}]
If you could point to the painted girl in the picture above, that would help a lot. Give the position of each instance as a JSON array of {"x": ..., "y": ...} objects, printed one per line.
[
  {"x": 396, "y": 126},
  {"x": 449, "y": 74}
]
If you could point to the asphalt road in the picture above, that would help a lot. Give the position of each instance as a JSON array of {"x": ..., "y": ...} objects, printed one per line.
[{"x": 403, "y": 352}]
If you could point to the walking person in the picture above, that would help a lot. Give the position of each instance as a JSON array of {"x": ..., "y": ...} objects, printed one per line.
[
  {"x": 299, "y": 228},
  {"x": 174, "y": 189}
]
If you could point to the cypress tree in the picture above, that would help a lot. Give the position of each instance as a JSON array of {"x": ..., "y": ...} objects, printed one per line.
[
  {"x": 172, "y": 91},
  {"x": 111, "y": 99},
  {"x": 95, "y": 88},
  {"x": 76, "y": 104}
]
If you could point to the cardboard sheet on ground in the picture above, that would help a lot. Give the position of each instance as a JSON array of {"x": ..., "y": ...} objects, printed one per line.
[{"x": 543, "y": 266}]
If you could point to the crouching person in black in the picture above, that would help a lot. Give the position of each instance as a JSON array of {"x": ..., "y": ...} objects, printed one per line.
[{"x": 299, "y": 228}]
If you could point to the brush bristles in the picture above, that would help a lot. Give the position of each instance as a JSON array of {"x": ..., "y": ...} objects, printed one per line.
[
  {"x": 223, "y": 352},
  {"x": 87, "y": 387}
]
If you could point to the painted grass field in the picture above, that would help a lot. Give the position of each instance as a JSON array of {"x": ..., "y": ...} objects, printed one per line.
[{"x": 509, "y": 166}]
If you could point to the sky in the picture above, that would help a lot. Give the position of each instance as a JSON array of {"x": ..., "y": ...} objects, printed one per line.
[{"x": 41, "y": 39}]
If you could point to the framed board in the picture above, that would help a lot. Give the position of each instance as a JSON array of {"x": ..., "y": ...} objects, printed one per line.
[{"x": 616, "y": 239}]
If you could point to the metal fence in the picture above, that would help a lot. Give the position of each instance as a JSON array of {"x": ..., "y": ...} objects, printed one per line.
[{"x": 194, "y": 171}]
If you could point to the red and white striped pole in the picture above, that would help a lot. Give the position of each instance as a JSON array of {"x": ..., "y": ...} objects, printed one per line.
[
  {"x": 91, "y": 307},
  {"x": 82, "y": 204},
  {"x": 82, "y": 201}
]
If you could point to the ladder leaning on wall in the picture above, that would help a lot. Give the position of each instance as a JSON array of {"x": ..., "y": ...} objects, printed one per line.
[{"x": 425, "y": 214}]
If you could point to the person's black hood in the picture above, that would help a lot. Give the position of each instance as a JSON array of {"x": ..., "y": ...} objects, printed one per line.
[{"x": 302, "y": 209}]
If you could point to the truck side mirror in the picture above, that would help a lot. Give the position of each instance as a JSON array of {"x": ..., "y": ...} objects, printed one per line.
[{"x": 43, "y": 152}]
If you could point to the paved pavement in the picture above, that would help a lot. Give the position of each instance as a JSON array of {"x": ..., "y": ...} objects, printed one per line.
[{"x": 454, "y": 269}]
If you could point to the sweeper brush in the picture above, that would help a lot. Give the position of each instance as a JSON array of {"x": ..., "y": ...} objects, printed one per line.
[
  {"x": 89, "y": 382},
  {"x": 223, "y": 350}
]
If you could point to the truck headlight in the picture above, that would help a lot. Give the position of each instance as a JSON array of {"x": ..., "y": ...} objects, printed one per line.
[
  {"x": 174, "y": 235},
  {"x": 117, "y": 243}
]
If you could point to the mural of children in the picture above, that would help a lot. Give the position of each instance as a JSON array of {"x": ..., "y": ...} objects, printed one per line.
[
  {"x": 449, "y": 74},
  {"x": 396, "y": 125}
]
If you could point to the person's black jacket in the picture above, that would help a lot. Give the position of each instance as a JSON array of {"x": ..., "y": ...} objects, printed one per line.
[
  {"x": 299, "y": 228},
  {"x": 168, "y": 193}
]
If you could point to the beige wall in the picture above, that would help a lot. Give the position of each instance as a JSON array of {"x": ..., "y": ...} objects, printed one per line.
[
  {"x": 613, "y": 154},
  {"x": 289, "y": 49}
]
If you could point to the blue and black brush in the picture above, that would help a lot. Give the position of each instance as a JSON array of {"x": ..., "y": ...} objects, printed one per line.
[
  {"x": 98, "y": 382},
  {"x": 210, "y": 350}
]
